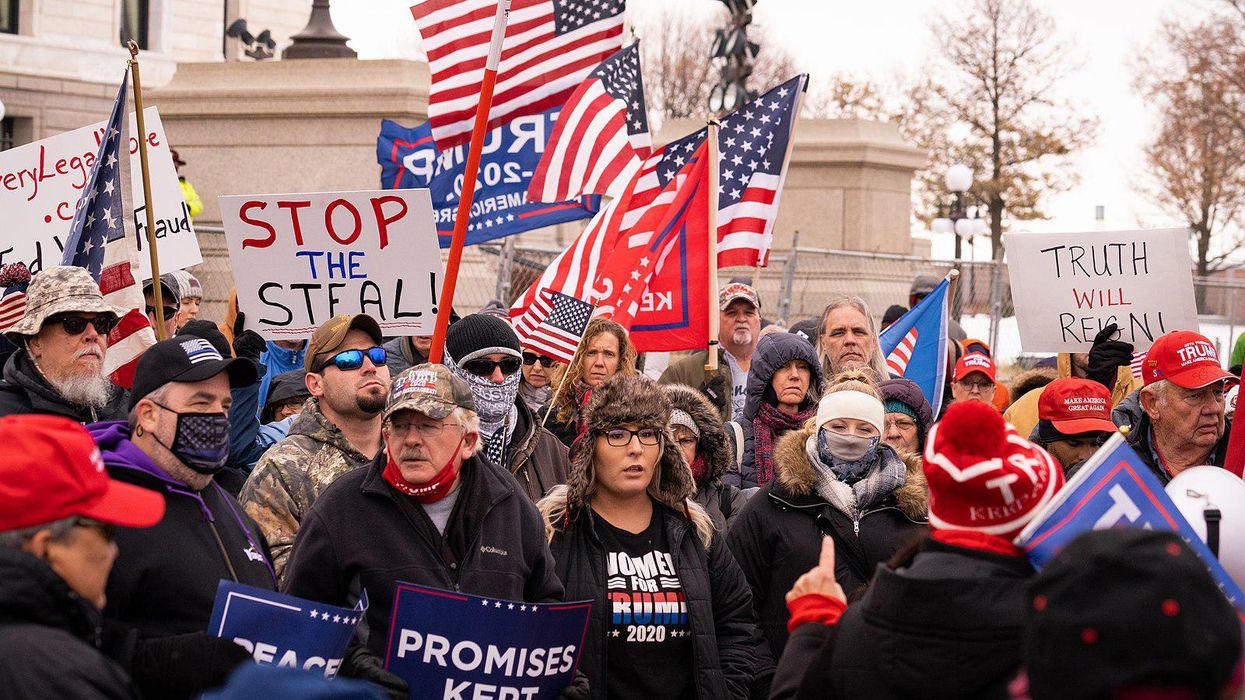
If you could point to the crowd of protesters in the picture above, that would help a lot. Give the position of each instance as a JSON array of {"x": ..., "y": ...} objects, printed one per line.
[{"x": 830, "y": 531}]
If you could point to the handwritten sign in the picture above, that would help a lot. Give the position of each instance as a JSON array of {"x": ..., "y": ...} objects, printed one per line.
[
  {"x": 283, "y": 630},
  {"x": 299, "y": 259},
  {"x": 41, "y": 183},
  {"x": 453, "y": 645},
  {"x": 1069, "y": 286}
]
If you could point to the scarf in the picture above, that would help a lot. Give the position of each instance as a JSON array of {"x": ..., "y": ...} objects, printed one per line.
[
  {"x": 495, "y": 406},
  {"x": 536, "y": 399},
  {"x": 887, "y": 474},
  {"x": 700, "y": 470},
  {"x": 768, "y": 425}
]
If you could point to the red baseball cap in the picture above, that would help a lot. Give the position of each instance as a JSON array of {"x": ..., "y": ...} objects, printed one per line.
[
  {"x": 54, "y": 471},
  {"x": 1076, "y": 406},
  {"x": 1184, "y": 358},
  {"x": 974, "y": 362}
]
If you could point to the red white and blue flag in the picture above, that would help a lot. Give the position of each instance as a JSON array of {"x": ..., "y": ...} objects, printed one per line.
[
  {"x": 915, "y": 346},
  {"x": 554, "y": 325},
  {"x": 548, "y": 49}
]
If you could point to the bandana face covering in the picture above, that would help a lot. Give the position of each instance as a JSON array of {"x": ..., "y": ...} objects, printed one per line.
[
  {"x": 849, "y": 456},
  {"x": 200, "y": 440},
  {"x": 434, "y": 490}
]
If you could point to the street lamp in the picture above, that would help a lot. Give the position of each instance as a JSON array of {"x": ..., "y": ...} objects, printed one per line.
[{"x": 964, "y": 222}]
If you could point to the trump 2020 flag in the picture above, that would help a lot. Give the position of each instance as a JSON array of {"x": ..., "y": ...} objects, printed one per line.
[{"x": 915, "y": 346}]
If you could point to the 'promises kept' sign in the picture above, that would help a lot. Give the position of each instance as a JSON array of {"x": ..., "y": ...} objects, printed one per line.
[{"x": 1066, "y": 287}]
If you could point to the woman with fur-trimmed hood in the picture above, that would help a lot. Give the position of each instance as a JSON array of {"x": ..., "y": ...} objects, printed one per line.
[
  {"x": 672, "y": 616},
  {"x": 834, "y": 477},
  {"x": 696, "y": 427}
]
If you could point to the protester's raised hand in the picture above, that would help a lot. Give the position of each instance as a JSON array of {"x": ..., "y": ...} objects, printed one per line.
[
  {"x": 1106, "y": 356},
  {"x": 819, "y": 579}
]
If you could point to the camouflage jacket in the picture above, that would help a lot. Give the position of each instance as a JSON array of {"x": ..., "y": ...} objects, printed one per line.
[{"x": 292, "y": 473}]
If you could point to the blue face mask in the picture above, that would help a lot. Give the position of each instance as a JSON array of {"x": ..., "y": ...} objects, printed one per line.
[
  {"x": 200, "y": 441},
  {"x": 849, "y": 456}
]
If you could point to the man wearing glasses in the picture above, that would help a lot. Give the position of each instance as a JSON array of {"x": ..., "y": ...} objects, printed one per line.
[
  {"x": 974, "y": 379},
  {"x": 61, "y": 339},
  {"x": 427, "y": 510},
  {"x": 1074, "y": 420},
  {"x": 170, "y": 298},
  {"x": 483, "y": 351},
  {"x": 338, "y": 429}
]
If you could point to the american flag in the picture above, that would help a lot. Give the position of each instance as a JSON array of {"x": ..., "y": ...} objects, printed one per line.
[
  {"x": 555, "y": 326},
  {"x": 98, "y": 240},
  {"x": 601, "y": 137},
  {"x": 1139, "y": 359},
  {"x": 897, "y": 361},
  {"x": 549, "y": 47},
  {"x": 15, "y": 278}
]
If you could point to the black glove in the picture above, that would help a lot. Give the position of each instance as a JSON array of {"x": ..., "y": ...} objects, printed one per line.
[
  {"x": 185, "y": 664},
  {"x": 248, "y": 344},
  {"x": 577, "y": 690},
  {"x": 1106, "y": 356},
  {"x": 363, "y": 664}
]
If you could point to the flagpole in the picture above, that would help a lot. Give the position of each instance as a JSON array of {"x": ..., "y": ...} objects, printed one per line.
[
  {"x": 557, "y": 392},
  {"x": 711, "y": 141},
  {"x": 469, "y": 182},
  {"x": 156, "y": 291}
]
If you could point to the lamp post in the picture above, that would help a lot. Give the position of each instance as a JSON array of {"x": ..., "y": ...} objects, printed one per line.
[
  {"x": 319, "y": 39},
  {"x": 956, "y": 218},
  {"x": 738, "y": 54}
]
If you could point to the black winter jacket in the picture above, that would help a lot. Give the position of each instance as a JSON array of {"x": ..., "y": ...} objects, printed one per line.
[
  {"x": 50, "y": 637},
  {"x": 536, "y": 457},
  {"x": 946, "y": 626},
  {"x": 361, "y": 533},
  {"x": 777, "y": 538},
  {"x": 718, "y": 603},
  {"x": 24, "y": 390}
]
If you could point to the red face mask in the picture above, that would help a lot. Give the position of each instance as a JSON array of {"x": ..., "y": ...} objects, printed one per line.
[{"x": 434, "y": 490}]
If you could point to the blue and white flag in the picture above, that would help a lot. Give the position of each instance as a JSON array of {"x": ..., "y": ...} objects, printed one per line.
[
  {"x": 915, "y": 346},
  {"x": 409, "y": 158}
]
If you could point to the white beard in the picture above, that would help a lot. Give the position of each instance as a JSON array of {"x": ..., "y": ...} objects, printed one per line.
[{"x": 91, "y": 390}]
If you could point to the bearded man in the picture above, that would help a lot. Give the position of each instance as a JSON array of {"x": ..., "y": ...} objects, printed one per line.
[{"x": 739, "y": 329}]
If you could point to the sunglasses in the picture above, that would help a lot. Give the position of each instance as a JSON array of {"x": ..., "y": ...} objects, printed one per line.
[
  {"x": 531, "y": 358},
  {"x": 106, "y": 530},
  {"x": 347, "y": 360},
  {"x": 169, "y": 312},
  {"x": 76, "y": 325},
  {"x": 482, "y": 367}
]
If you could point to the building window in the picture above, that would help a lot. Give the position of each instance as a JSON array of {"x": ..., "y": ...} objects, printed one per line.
[
  {"x": 134, "y": 22},
  {"x": 6, "y": 133},
  {"x": 8, "y": 16}
]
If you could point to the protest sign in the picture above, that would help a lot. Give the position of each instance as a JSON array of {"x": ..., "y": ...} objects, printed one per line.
[
  {"x": 299, "y": 259},
  {"x": 453, "y": 645},
  {"x": 41, "y": 183},
  {"x": 1114, "y": 488},
  {"x": 409, "y": 158},
  {"x": 282, "y": 630},
  {"x": 1066, "y": 287}
]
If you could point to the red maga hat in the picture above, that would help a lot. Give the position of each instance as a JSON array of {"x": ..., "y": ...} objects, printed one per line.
[
  {"x": 1184, "y": 358},
  {"x": 1076, "y": 406},
  {"x": 974, "y": 362}
]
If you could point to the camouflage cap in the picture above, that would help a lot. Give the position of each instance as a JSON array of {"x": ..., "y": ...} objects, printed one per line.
[
  {"x": 57, "y": 290},
  {"x": 431, "y": 390}
]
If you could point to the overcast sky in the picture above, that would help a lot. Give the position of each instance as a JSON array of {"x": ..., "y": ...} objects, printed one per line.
[{"x": 884, "y": 40}]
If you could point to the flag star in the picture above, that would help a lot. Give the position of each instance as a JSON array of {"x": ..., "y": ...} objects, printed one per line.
[
  {"x": 728, "y": 175},
  {"x": 109, "y": 219},
  {"x": 337, "y": 618},
  {"x": 765, "y": 164},
  {"x": 314, "y": 613},
  {"x": 643, "y": 261},
  {"x": 112, "y": 132},
  {"x": 738, "y": 159},
  {"x": 765, "y": 119},
  {"x": 90, "y": 219},
  {"x": 689, "y": 146},
  {"x": 730, "y": 142},
  {"x": 497, "y": 604},
  {"x": 775, "y": 104},
  {"x": 635, "y": 274},
  {"x": 782, "y": 92},
  {"x": 734, "y": 194},
  {"x": 614, "y": 633},
  {"x": 509, "y": 217},
  {"x": 324, "y": 616},
  {"x": 523, "y": 608},
  {"x": 748, "y": 114},
  {"x": 89, "y": 245},
  {"x": 747, "y": 146},
  {"x": 108, "y": 187},
  {"x": 510, "y": 607},
  {"x": 752, "y": 165},
  {"x": 112, "y": 160},
  {"x": 484, "y": 603},
  {"x": 678, "y": 160},
  {"x": 626, "y": 288},
  {"x": 756, "y": 132}
]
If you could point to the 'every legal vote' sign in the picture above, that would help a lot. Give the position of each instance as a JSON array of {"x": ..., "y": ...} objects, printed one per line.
[{"x": 1066, "y": 287}]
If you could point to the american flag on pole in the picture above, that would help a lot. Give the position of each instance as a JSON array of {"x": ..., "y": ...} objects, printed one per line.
[
  {"x": 897, "y": 361},
  {"x": 15, "y": 278},
  {"x": 555, "y": 326},
  {"x": 549, "y": 47},
  {"x": 601, "y": 137},
  {"x": 102, "y": 241}
]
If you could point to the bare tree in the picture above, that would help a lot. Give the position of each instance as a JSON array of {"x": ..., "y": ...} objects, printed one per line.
[
  {"x": 845, "y": 97},
  {"x": 990, "y": 104}
]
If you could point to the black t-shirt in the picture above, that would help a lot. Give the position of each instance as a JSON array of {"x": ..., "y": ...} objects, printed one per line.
[{"x": 648, "y": 637}]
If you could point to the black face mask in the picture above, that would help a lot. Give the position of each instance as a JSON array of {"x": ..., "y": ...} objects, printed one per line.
[{"x": 200, "y": 441}]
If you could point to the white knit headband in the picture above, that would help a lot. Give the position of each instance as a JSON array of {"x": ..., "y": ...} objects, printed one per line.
[{"x": 851, "y": 404}]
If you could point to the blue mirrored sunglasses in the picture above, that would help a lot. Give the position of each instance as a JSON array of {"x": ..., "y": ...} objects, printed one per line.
[{"x": 347, "y": 360}]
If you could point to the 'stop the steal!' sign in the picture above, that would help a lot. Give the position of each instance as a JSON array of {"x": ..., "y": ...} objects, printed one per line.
[
  {"x": 299, "y": 259},
  {"x": 1068, "y": 286}
]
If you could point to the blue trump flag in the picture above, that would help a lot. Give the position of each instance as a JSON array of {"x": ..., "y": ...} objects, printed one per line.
[
  {"x": 408, "y": 158},
  {"x": 452, "y": 645},
  {"x": 915, "y": 346},
  {"x": 283, "y": 630},
  {"x": 1114, "y": 488}
]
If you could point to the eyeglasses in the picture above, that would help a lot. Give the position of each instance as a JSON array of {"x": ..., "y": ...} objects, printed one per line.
[
  {"x": 621, "y": 437},
  {"x": 901, "y": 423},
  {"x": 169, "y": 312},
  {"x": 76, "y": 325},
  {"x": 482, "y": 367},
  {"x": 106, "y": 530},
  {"x": 347, "y": 360},
  {"x": 977, "y": 385},
  {"x": 427, "y": 431},
  {"x": 531, "y": 358}
]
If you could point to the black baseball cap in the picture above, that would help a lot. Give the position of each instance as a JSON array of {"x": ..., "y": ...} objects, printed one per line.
[{"x": 186, "y": 359}]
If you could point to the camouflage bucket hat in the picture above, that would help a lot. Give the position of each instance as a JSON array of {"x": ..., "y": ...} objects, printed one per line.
[
  {"x": 429, "y": 389},
  {"x": 57, "y": 290}
]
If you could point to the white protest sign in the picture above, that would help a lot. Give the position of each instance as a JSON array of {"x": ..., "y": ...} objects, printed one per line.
[
  {"x": 1066, "y": 287},
  {"x": 41, "y": 183},
  {"x": 299, "y": 259}
]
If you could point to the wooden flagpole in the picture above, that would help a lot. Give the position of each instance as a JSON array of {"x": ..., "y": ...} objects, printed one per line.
[
  {"x": 472, "y": 169},
  {"x": 157, "y": 292},
  {"x": 711, "y": 142},
  {"x": 557, "y": 392}
]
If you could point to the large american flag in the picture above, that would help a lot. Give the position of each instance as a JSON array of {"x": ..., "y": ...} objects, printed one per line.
[
  {"x": 549, "y": 47},
  {"x": 555, "y": 326},
  {"x": 601, "y": 137},
  {"x": 98, "y": 240}
]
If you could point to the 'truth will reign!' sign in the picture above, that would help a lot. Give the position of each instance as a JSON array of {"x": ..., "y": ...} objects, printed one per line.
[{"x": 1068, "y": 286}]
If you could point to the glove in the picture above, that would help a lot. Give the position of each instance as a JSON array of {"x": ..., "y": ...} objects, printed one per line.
[
  {"x": 363, "y": 664},
  {"x": 1106, "y": 356},
  {"x": 185, "y": 664},
  {"x": 248, "y": 344},
  {"x": 577, "y": 690}
]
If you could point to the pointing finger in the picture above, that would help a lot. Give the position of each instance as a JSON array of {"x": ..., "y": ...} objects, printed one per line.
[{"x": 826, "y": 560}]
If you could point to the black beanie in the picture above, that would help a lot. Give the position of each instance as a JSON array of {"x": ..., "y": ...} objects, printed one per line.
[{"x": 478, "y": 332}]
